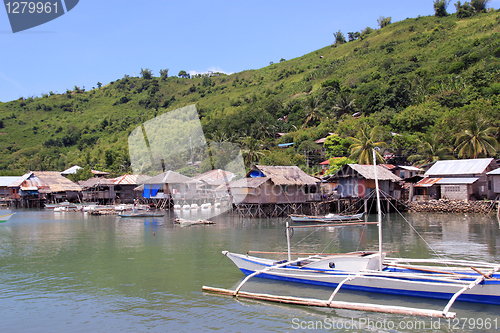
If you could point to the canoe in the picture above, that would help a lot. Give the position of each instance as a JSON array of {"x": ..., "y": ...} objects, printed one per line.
[
  {"x": 325, "y": 219},
  {"x": 4, "y": 218},
  {"x": 141, "y": 215}
]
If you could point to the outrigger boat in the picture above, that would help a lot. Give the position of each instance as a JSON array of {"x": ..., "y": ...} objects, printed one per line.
[
  {"x": 372, "y": 272},
  {"x": 325, "y": 219},
  {"x": 4, "y": 218}
]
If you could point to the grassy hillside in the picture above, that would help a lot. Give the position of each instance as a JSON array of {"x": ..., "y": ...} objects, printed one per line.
[{"x": 415, "y": 77}]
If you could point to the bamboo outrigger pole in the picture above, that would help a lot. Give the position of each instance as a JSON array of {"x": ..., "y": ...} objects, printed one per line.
[{"x": 335, "y": 304}]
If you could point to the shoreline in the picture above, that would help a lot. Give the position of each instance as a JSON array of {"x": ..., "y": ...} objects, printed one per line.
[{"x": 453, "y": 206}]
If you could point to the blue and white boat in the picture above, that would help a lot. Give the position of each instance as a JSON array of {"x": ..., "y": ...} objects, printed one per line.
[{"x": 454, "y": 280}]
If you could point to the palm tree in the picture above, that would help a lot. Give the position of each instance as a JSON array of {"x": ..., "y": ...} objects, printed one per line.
[
  {"x": 344, "y": 105},
  {"x": 476, "y": 139},
  {"x": 430, "y": 150},
  {"x": 364, "y": 143},
  {"x": 312, "y": 110},
  {"x": 252, "y": 152}
]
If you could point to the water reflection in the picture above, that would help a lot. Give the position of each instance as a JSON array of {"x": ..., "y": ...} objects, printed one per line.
[{"x": 73, "y": 271}]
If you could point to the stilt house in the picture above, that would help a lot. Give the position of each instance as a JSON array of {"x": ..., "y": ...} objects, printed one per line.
[{"x": 275, "y": 185}]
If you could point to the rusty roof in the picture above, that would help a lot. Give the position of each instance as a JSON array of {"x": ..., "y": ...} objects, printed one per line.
[
  {"x": 427, "y": 182},
  {"x": 130, "y": 179},
  {"x": 286, "y": 175}
]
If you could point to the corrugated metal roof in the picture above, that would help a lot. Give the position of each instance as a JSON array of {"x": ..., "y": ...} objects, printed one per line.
[
  {"x": 71, "y": 170},
  {"x": 286, "y": 175},
  {"x": 457, "y": 181},
  {"x": 410, "y": 168},
  {"x": 7, "y": 180},
  {"x": 130, "y": 179},
  {"x": 461, "y": 167},
  {"x": 20, "y": 180},
  {"x": 427, "y": 182},
  {"x": 494, "y": 172},
  {"x": 367, "y": 172},
  {"x": 99, "y": 173}
]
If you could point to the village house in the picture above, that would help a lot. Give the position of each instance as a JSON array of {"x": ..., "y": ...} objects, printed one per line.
[
  {"x": 35, "y": 187},
  {"x": 98, "y": 190},
  {"x": 403, "y": 171},
  {"x": 170, "y": 184},
  {"x": 275, "y": 185},
  {"x": 358, "y": 181},
  {"x": 494, "y": 183},
  {"x": 457, "y": 180},
  {"x": 124, "y": 187},
  {"x": 5, "y": 191},
  {"x": 211, "y": 180}
]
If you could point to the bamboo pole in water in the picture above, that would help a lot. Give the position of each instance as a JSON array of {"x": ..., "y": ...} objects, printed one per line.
[{"x": 336, "y": 304}]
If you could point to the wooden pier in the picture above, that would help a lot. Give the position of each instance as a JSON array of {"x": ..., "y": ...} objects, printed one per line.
[{"x": 336, "y": 205}]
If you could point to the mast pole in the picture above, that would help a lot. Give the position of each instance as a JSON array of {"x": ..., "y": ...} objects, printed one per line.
[
  {"x": 288, "y": 241},
  {"x": 379, "y": 211}
]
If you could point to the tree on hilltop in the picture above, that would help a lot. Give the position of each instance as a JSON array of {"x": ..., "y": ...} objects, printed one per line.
[
  {"x": 440, "y": 8},
  {"x": 183, "y": 74},
  {"x": 384, "y": 21},
  {"x": 339, "y": 37},
  {"x": 146, "y": 74},
  {"x": 164, "y": 74}
]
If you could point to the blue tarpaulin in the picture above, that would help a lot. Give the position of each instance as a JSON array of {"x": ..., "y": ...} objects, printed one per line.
[{"x": 150, "y": 190}]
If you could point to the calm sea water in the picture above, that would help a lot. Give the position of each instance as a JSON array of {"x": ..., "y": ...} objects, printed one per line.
[{"x": 73, "y": 272}]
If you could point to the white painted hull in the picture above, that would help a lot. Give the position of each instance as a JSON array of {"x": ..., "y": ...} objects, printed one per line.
[
  {"x": 325, "y": 219},
  {"x": 389, "y": 281}
]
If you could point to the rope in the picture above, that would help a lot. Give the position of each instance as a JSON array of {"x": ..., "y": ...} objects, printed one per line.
[{"x": 207, "y": 269}]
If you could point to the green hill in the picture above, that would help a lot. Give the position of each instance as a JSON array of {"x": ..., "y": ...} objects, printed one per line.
[{"x": 415, "y": 77}]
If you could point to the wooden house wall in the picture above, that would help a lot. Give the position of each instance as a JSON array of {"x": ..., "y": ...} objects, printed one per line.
[
  {"x": 360, "y": 187},
  {"x": 495, "y": 181},
  {"x": 127, "y": 193}
]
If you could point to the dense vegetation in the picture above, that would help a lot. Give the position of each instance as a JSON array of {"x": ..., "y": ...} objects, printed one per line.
[{"x": 411, "y": 85}]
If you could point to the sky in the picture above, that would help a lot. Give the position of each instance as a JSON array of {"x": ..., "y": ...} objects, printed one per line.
[{"x": 103, "y": 40}]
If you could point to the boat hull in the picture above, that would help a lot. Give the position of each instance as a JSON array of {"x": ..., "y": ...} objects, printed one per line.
[
  {"x": 5, "y": 218},
  {"x": 141, "y": 215},
  {"x": 325, "y": 219},
  {"x": 386, "y": 282}
]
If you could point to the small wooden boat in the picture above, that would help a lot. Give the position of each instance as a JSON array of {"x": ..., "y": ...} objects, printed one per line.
[
  {"x": 191, "y": 222},
  {"x": 325, "y": 219},
  {"x": 145, "y": 214},
  {"x": 4, "y": 218},
  {"x": 65, "y": 204}
]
